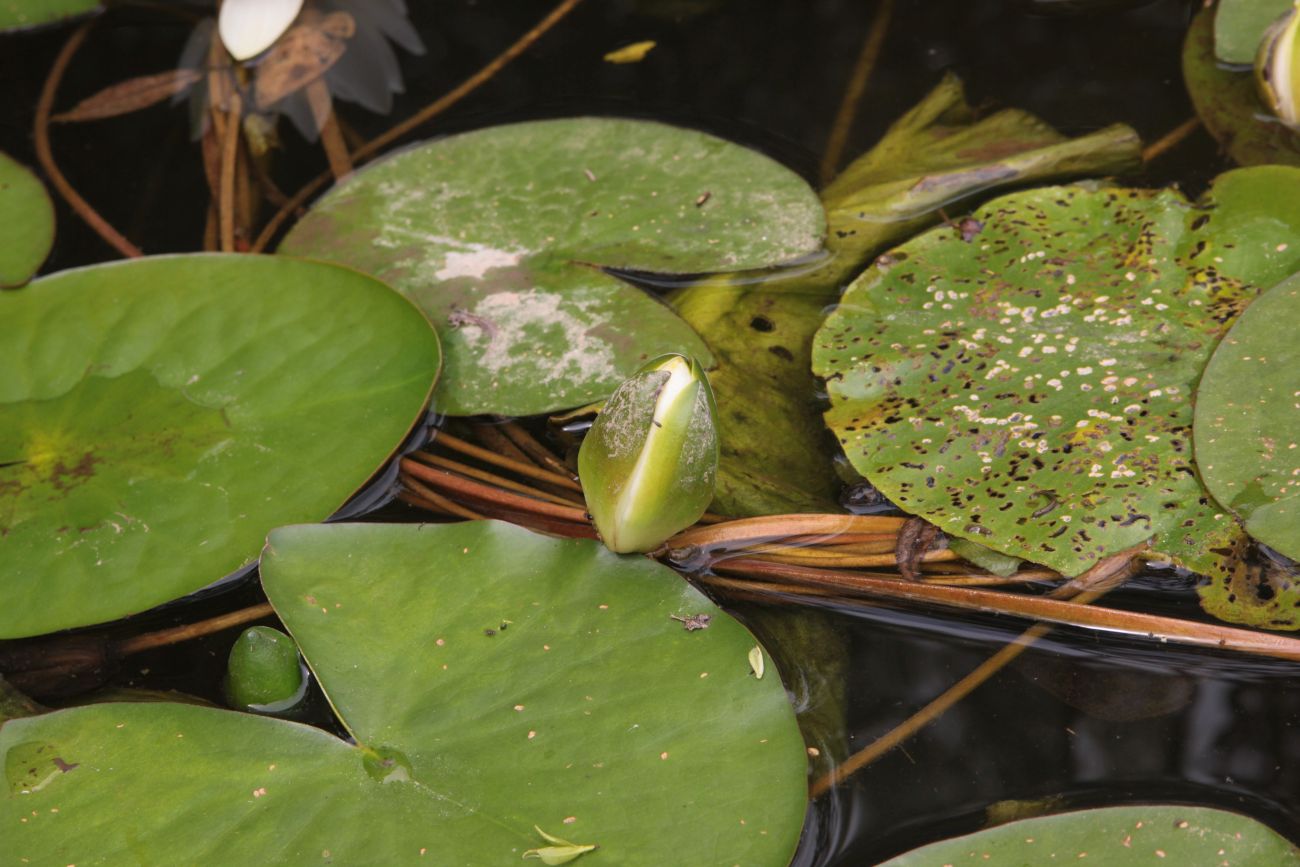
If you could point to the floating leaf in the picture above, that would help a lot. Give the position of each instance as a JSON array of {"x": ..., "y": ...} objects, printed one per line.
[
  {"x": 26, "y": 223},
  {"x": 1227, "y": 103},
  {"x": 1247, "y": 430},
  {"x": 589, "y": 711},
  {"x": 1117, "y": 837},
  {"x": 131, "y": 95},
  {"x": 1030, "y": 389},
  {"x": 775, "y": 454},
  {"x": 159, "y": 416},
  {"x": 22, "y": 14},
  {"x": 501, "y": 235},
  {"x": 1239, "y": 26}
]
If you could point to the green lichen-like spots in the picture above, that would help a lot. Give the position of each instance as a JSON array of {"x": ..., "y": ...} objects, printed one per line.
[{"x": 1030, "y": 389}]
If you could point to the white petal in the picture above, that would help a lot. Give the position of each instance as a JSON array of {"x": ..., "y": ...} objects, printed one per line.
[{"x": 249, "y": 27}]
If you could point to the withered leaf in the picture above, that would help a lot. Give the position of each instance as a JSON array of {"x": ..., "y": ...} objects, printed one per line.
[
  {"x": 302, "y": 55},
  {"x": 130, "y": 95}
]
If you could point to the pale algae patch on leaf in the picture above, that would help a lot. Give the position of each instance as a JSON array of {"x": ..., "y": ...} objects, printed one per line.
[
  {"x": 1030, "y": 389},
  {"x": 502, "y": 237}
]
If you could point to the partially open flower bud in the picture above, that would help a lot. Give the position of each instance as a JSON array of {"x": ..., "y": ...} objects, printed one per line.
[
  {"x": 264, "y": 674},
  {"x": 1277, "y": 68},
  {"x": 649, "y": 462}
]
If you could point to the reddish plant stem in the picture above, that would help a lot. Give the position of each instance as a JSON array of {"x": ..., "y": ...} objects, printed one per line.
[
  {"x": 45, "y": 154},
  {"x": 486, "y": 493},
  {"x": 164, "y": 637}
]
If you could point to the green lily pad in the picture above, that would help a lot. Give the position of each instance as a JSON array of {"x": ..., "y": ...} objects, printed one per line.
[
  {"x": 1116, "y": 837},
  {"x": 26, "y": 223},
  {"x": 501, "y": 236},
  {"x": 1248, "y": 420},
  {"x": 1228, "y": 105},
  {"x": 775, "y": 453},
  {"x": 495, "y": 680},
  {"x": 22, "y": 14},
  {"x": 1239, "y": 27},
  {"x": 1029, "y": 389},
  {"x": 159, "y": 416}
]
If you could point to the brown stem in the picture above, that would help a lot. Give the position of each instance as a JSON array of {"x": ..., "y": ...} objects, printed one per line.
[
  {"x": 531, "y": 447},
  {"x": 894, "y": 589},
  {"x": 229, "y": 155},
  {"x": 426, "y": 114},
  {"x": 1171, "y": 139},
  {"x": 438, "y": 501},
  {"x": 493, "y": 479},
  {"x": 164, "y": 637},
  {"x": 853, "y": 92},
  {"x": 747, "y": 531},
  {"x": 489, "y": 436},
  {"x": 489, "y": 457},
  {"x": 45, "y": 154},
  {"x": 1103, "y": 577},
  {"x": 331, "y": 138},
  {"x": 831, "y": 560},
  {"x": 487, "y": 493}
]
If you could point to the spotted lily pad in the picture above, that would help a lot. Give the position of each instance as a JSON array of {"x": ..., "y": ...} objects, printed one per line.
[
  {"x": 495, "y": 681},
  {"x": 501, "y": 236},
  {"x": 1228, "y": 105},
  {"x": 22, "y": 14},
  {"x": 1117, "y": 837},
  {"x": 775, "y": 454},
  {"x": 1029, "y": 388},
  {"x": 159, "y": 416},
  {"x": 26, "y": 222},
  {"x": 1248, "y": 419}
]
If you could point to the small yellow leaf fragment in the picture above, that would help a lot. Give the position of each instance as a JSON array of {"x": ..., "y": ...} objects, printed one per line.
[
  {"x": 756, "y": 661},
  {"x": 633, "y": 53},
  {"x": 560, "y": 851}
]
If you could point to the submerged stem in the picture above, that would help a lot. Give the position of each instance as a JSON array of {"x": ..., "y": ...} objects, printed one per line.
[
  {"x": 857, "y": 85},
  {"x": 45, "y": 154}
]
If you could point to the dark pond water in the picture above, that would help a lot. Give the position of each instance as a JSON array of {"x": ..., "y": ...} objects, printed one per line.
[{"x": 1084, "y": 718}]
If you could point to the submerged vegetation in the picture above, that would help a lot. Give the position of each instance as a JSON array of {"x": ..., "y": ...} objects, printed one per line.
[{"x": 984, "y": 369}]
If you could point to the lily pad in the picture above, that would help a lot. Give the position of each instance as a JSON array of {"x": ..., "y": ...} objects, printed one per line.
[
  {"x": 1239, "y": 27},
  {"x": 775, "y": 453},
  {"x": 26, "y": 223},
  {"x": 1029, "y": 389},
  {"x": 1248, "y": 420},
  {"x": 159, "y": 416},
  {"x": 502, "y": 235},
  {"x": 1227, "y": 103},
  {"x": 22, "y": 14},
  {"x": 1116, "y": 837},
  {"x": 495, "y": 680}
]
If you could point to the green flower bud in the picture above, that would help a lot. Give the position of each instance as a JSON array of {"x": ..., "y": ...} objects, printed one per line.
[
  {"x": 264, "y": 673},
  {"x": 649, "y": 462},
  {"x": 1277, "y": 68}
]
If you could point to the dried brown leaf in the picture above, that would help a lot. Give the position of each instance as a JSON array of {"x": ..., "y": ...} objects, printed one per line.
[
  {"x": 130, "y": 95},
  {"x": 302, "y": 55}
]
